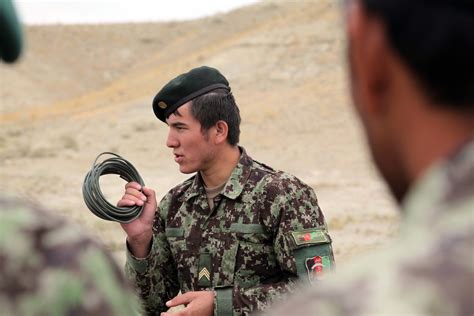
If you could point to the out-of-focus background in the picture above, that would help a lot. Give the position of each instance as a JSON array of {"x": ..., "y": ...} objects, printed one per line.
[{"x": 79, "y": 90}]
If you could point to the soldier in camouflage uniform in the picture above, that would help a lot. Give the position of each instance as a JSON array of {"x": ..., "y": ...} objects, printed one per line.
[
  {"x": 413, "y": 85},
  {"x": 47, "y": 266},
  {"x": 234, "y": 236}
]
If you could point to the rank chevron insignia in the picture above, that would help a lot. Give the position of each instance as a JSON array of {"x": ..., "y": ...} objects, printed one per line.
[{"x": 204, "y": 273}]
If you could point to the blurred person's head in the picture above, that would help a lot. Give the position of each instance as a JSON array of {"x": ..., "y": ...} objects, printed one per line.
[
  {"x": 412, "y": 81},
  {"x": 10, "y": 32}
]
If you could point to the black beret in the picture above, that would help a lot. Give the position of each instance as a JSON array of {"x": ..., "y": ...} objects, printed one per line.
[{"x": 186, "y": 87}]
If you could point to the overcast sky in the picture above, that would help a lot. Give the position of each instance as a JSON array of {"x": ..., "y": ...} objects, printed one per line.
[{"x": 109, "y": 11}]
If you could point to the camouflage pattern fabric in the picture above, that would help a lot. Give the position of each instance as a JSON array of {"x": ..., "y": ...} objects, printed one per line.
[
  {"x": 47, "y": 267},
  {"x": 430, "y": 268},
  {"x": 244, "y": 248}
]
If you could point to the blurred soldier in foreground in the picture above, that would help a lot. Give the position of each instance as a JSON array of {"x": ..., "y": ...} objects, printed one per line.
[
  {"x": 48, "y": 267},
  {"x": 412, "y": 80}
]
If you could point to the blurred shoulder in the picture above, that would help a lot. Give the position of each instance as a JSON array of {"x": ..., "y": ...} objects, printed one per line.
[
  {"x": 47, "y": 264},
  {"x": 428, "y": 276}
]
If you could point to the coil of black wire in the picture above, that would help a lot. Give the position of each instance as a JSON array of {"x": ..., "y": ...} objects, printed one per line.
[{"x": 92, "y": 193}]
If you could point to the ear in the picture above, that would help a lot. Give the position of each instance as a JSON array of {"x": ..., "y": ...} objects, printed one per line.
[
  {"x": 221, "y": 132},
  {"x": 368, "y": 56}
]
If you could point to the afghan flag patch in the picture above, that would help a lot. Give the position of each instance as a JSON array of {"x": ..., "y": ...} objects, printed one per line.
[
  {"x": 318, "y": 267},
  {"x": 310, "y": 236}
]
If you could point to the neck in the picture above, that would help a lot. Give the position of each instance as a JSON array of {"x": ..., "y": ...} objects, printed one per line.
[
  {"x": 220, "y": 170},
  {"x": 438, "y": 136}
]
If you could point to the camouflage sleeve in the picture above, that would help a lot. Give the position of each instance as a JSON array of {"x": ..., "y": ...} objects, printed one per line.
[
  {"x": 155, "y": 276},
  {"x": 299, "y": 235},
  {"x": 432, "y": 276},
  {"x": 48, "y": 267}
]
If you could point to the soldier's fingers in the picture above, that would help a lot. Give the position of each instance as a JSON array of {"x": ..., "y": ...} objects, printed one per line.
[
  {"x": 134, "y": 185},
  {"x": 149, "y": 192},
  {"x": 123, "y": 203},
  {"x": 183, "y": 312},
  {"x": 133, "y": 197},
  {"x": 172, "y": 314},
  {"x": 128, "y": 200},
  {"x": 185, "y": 298},
  {"x": 136, "y": 193}
]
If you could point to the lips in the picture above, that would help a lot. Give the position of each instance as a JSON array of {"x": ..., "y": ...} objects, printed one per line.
[{"x": 178, "y": 158}]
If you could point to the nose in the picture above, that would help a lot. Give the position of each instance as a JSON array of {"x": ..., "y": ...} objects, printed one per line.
[{"x": 171, "y": 141}]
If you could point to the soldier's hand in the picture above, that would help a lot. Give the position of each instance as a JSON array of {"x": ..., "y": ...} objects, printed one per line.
[
  {"x": 197, "y": 303},
  {"x": 139, "y": 232}
]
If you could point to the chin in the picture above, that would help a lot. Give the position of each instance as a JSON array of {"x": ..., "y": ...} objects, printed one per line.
[
  {"x": 393, "y": 174},
  {"x": 389, "y": 165},
  {"x": 185, "y": 170},
  {"x": 399, "y": 190}
]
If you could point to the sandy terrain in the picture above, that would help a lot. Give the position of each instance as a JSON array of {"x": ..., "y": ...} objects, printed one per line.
[{"x": 82, "y": 90}]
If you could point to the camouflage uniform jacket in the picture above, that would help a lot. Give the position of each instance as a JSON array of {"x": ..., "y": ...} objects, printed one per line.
[
  {"x": 244, "y": 248},
  {"x": 47, "y": 267},
  {"x": 429, "y": 270}
]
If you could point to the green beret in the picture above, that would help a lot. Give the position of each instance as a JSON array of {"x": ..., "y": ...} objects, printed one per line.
[
  {"x": 10, "y": 32},
  {"x": 186, "y": 87}
]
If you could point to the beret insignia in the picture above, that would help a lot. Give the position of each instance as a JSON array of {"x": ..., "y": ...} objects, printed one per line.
[{"x": 162, "y": 105}]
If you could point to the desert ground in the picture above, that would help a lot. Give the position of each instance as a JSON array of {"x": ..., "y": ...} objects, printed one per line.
[{"x": 80, "y": 90}]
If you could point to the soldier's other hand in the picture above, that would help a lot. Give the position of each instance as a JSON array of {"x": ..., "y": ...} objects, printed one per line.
[
  {"x": 197, "y": 303},
  {"x": 139, "y": 232}
]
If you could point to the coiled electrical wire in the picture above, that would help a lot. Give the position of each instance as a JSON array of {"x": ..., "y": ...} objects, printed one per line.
[{"x": 93, "y": 196}]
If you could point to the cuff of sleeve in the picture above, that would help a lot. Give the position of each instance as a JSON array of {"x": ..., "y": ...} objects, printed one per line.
[
  {"x": 224, "y": 304},
  {"x": 140, "y": 265}
]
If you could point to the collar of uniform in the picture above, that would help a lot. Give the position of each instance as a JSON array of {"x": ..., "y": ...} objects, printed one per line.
[
  {"x": 196, "y": 188},
  {"x": 234, "y": 185},
  {"x": 441, "y": 184},
  {"x": 238, "y": 178}
]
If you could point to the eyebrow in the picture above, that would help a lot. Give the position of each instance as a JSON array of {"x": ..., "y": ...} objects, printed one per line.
[{"x": 177, "y": 124}]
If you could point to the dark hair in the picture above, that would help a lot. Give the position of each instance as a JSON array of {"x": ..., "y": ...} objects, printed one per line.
[
  {"x": 215, "y": 106},
  {"x": 435, "y": 38}
]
